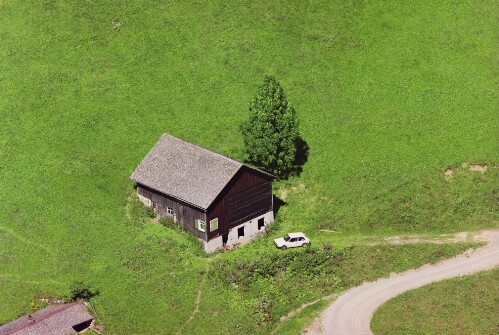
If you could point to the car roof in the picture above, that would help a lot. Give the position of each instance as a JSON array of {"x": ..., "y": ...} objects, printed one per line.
[{"x": 296, "y": 235}]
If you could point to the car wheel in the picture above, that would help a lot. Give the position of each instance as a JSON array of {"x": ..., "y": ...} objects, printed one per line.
[
  {"x": 284, "y": 247},
  {"x": 305, "y": 245}
]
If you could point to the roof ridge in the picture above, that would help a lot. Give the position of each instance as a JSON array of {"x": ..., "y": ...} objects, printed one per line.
[
  {"x": 79, "y": 302},
  {"x": 202, "y": 147},
  {"x": 219, "y": 154}
]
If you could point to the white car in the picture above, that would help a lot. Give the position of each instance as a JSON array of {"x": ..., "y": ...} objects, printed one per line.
[{"x": 292, "y": 240}]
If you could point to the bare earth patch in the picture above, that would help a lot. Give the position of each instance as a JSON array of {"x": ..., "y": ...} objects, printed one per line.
[
  {"x": 283, "y": 192},
  {"x": 127, "y": 207},
  {"x": 444, "y": 238},
  {"x": 475, "y": 167},
  {"x": 478, "y": 168},
  {"x": 197, "y": 302},
  {"x": 448, "y": 173}
]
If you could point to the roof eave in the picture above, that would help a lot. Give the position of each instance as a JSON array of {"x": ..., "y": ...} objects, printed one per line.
[
  {"x": 261, "y": 171},
  {"x": 172, "y": 196}
]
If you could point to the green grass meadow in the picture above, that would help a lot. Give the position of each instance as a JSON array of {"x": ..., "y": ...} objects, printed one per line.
[
  {"x": 389, "y": 94},
  {"x": 467, "y": 305}
]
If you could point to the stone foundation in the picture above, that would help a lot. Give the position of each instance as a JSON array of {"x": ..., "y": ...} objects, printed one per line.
[{"x": 233, "y": 239}]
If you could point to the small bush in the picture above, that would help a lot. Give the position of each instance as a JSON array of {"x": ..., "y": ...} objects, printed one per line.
[
  {"x": 140, "y": 213},
  {"x": 81, "y": 291},
  {"x": 168, "y": 223},
  {"x": 262, "y": 309},
  {"x": 195, "y": 245},
  {"x": 273, "y": 227},
  {"x": 306, "y": 263},
  {"x": 148, "y": 211},
  {"x": 34, "y": 306}
]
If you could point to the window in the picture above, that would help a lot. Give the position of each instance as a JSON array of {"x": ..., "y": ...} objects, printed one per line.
[
  {"x": 200, "y": 225},
  {"x": 214, "y": 224},
  {"x": 261, "y": 224},
  {"x": 169, "y": 210},
  {"x": 292, "y": 240},
  {"x": 240, "y": 232},
  {"x": 301, "y": 239}
]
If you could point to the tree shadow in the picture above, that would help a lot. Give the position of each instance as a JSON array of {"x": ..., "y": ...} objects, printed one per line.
[{"x": 301, "y": 156}]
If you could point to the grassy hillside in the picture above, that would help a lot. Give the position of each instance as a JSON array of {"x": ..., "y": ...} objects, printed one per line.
[
  {"x": 388, "y": 95},
  {"x": 467, "y": 305}
]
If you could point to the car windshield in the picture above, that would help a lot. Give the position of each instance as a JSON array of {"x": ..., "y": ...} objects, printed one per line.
[{"x": 286, "y": 238}]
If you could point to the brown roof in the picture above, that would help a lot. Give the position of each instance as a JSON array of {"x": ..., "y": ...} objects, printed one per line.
[
  {"x": 52, "y": 320},
  {"x": 186, "y": 171}
]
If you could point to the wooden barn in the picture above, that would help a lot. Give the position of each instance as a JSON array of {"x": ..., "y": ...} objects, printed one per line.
[{"x": 218, "y": 199}]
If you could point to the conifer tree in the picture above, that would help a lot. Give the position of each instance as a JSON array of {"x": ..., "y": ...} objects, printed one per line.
[{"x": 271, "y": 133}]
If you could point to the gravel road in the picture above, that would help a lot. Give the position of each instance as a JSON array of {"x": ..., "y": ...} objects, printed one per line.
[{"x": 352, "y": 312}]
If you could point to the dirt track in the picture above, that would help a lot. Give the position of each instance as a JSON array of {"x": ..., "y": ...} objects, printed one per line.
[{"x": 351, "y": 313}]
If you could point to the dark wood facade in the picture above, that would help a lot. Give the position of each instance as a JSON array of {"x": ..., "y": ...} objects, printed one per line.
[
  {"x": 183, "y": 213},
  {"x": 247, "y": 196}
]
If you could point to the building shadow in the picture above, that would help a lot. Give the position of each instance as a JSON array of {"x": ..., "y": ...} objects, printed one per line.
[{"x": 278, "y": 203}]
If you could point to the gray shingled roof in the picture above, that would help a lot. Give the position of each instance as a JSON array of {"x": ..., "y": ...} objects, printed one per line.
[
  {"x": 52, "y": 320},
  {"x": 185, "y": 171}
]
